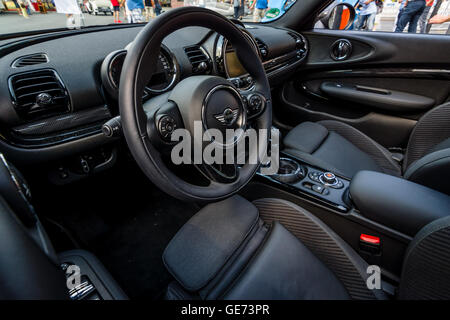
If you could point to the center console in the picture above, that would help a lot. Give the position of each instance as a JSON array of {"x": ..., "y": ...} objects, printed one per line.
[
  {"x": 305, "y": 180},
  {"x": 377, "y": 214}
]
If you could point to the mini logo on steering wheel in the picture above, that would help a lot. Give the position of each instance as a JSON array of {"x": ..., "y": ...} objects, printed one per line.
[{"x": 228, "y": 117}]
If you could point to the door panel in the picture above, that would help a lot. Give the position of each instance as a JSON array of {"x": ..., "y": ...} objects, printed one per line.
[
  {"x": 376, "y": 97},
  {"x": 383, "y": 72}
]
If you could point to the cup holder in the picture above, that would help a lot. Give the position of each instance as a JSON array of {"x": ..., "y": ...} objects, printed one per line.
[{"x": 289, "y": 171}]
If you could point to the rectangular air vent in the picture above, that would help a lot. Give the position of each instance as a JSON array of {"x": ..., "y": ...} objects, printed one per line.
[
  {"x": 30, "y": 60},
  {"x": 38, "y": 93},
  {"x": 199, "y": 60}
]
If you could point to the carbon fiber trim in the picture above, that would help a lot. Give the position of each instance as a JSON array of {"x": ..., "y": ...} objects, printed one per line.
[
  {"x": 63, "y": 122},
  {"x": 337, "y": 255}
]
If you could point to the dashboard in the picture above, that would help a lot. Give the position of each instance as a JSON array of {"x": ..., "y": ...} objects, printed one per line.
[{"x": 57, "y": 91}]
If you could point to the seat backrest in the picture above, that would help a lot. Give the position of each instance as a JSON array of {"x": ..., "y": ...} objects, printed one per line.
[
  {"x": 426, "y": 266},
  {"x": 427, "y": 158},
  {"x": 430, "y": 130}
]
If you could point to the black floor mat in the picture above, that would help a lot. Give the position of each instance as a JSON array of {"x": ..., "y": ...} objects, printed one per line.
[{"x": 123, "y": 219}]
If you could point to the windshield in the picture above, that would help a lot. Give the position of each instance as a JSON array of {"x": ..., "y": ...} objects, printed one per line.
[{"x": 36, "y": 15}]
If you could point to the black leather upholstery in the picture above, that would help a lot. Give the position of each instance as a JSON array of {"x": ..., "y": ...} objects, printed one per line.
[
  {"x": 338, "y": 147},
  {"x": 268, "y": 263},
  {"x": 285, "y": 269},
  {"x": 402, "y": 205},
  {"x": 26, "y": 273},
  {"x": 310, "y": 261}
]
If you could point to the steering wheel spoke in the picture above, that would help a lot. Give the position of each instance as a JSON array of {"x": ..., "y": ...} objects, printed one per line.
[
  {"x": 220, "y": 173},
  {"x": 163, "y": 118}
]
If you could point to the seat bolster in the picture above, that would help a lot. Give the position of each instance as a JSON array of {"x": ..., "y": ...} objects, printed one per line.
[
  {"x": 306, "y": 137},
  {"x": 432, "y": 129},
  {"x": 324, "y": 243},
  {"x": 285, "y": 269},
  {"x": 431, "y": 171}
]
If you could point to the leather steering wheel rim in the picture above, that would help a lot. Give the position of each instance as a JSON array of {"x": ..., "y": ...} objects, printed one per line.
[{"x": 140, "y": 63}]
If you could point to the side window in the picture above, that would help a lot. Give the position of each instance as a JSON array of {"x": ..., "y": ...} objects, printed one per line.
[{"x": 414, "y": 16}]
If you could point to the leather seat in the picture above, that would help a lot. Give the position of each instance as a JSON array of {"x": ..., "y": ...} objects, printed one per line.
[
  {"x": 340, "y": 148},
  {"x": 274, "y": 249}
]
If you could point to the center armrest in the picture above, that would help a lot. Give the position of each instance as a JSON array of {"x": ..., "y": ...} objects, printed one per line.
[{"x": 397, "y": 203}]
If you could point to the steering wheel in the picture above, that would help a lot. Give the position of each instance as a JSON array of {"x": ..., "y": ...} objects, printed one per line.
[{"x": 210, "y": 99}]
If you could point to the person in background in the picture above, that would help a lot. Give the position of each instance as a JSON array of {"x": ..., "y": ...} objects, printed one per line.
[
  {"x": 367, "y": 15},
  {"x": 23, "y": 8},
  {"x": 400, "y": 11},
  {"x": 438, "y": 19},
  {"x": 134, "y": 11},
  {"x": 411, "y": 13},
  {"x": 17, "y": 5},
  {"x": 236, "y": 6},
  {"x": 424, "y": 16},
  {"x": 260, "y": 8},
  {"x": 70, "y": 8},
  {"x": 158, "y": 8},
  {"x": 148, "y": 10},
  {"x": 123, "y": 9},
  {"x": 241, "y": 9},
  {"x": 30, "y": 7},
  {"x": 116, "y": 11}
]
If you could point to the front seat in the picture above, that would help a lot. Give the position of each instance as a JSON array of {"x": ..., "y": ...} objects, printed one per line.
[
  {"x": 274, "y": 249},
  {"x": 338, "y": 147}
]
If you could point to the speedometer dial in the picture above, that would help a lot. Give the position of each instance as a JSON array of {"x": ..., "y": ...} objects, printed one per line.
[
  {"x": 163, "y": 79},
  {"x": 165, "y": 74}
]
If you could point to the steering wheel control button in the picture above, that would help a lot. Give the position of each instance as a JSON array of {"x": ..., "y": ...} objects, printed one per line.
[
  {"x": 328, "y": 178},
  {"x": 166, "y": 125},
  {"x": 255, "y": 104}
]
